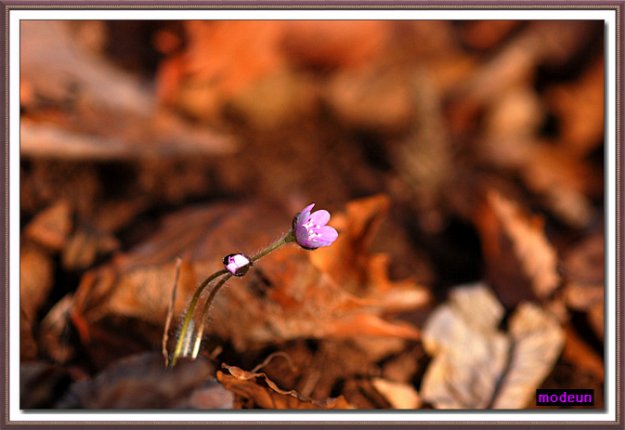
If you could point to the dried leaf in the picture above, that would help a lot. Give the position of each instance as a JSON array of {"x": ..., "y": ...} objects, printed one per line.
[
  {"x": 284, "y": 297},
  {"x": 371, "y": 99},
  {"x": 36, "y": 277},
  {"x": 400, "y": 396},
  {"x": 142, "y": 382},
  {"x": 521, "y": 263},
  {"x": 536, "y": 340},
  {"x": 41, "y": 384},
  {"x": 477, "y": 366},
  {"x": 584, "y": 273},
  {"x": 56, "y": 332},
  {"x": 487, "y": 34},
  {"x": 84, "y": 246},
  {"x": 209, "y": 74},
  {"x": 52, "y": 226},
  {"x": 80, "y": 107},
  {"x": 264, "y": 393},
  {"x": 579, "y": 105},
  {"x": 332, "y": 44},
  {"x": 564, "y": 181},
  {"x": 58, "y": 68},
  {"x": 577, "y": 351}
]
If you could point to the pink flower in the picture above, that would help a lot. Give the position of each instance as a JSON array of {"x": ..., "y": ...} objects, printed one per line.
[
  {"x": 237, "y": 264},
  {"x": 311, "y": 231}
]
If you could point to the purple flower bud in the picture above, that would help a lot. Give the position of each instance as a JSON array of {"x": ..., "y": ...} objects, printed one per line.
[
  {"x": 311, "y": 231},
  {"x": 237, "y": 264}
]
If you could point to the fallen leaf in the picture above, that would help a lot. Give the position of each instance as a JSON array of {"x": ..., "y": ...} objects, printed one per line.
[
  {"x": 477, "y": 366},
  {"x": 583, "y": 268},
  {"x": 36, "y": 277},
  {"x": 290, "y": 294},
  {"x": 142, "y": 382},
  {"x": 577, "y": 351},
  {"x": 579, "y": 105},
  {"x": 362, "y": 394},
  {"x": 330, "y": 44},
  {"x": 488, "y": 34},
  {"x": 52, "y": 226},
  {"x": 56, "y": 332},
  {"x": 399, "y": 395},
  {"x": 210, "y": 73},
  {"x": 81, "y": 107},
  {"x": 262, "y": 392},
  {"x": 41, "y": 384},
  {"x": 371, "y": 99},
  {"x": 521, "y": 263},
  {"x": 563, "y": 181},
  {"x": 85, "y": 245}
]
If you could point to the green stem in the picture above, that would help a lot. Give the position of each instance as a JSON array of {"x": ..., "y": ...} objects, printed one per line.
[
  {"x": 289, "y": 237},
  {"x": 189, "y": 314},
  {"x": 207, "y": 303}
]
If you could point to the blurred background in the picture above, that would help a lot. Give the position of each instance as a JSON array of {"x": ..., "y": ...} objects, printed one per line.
[{"x": 451, "y": 153}]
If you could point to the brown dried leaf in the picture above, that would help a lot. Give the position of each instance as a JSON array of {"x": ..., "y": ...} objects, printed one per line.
[
  {"x": 371, "y": 99},
  {"x": 57, "y": 68},
  {"x": 477, "y": 366},
  {"x": 521, "y": 263},
  {"x": 262, "y": 392},
  {"x": 332, "y": 44},
  {"x": 52, "y": 226},
  {"x": 84, "y": 246},
  {"x": 584, "y": 273},
  {"x": 142, "y": 382},
  {"x": 564, "y": 181},
  {"x": 36, "y": 277},
  {"x": 209, "y": 73},
  {"x": 579, "y": 105},
  {"x": 487, "y": 34},
  {"x": 284, "y": 297},
  {"x": 41, "y": 384},
  {"x": 78, "y": 106},
  {"x": 578, "y": 352}
]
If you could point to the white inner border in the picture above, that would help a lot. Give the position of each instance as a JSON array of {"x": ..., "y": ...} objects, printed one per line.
[{"x": 608, "y": 16}]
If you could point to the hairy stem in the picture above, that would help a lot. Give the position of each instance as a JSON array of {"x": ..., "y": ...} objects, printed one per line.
[{"x": 189, "y": 315}]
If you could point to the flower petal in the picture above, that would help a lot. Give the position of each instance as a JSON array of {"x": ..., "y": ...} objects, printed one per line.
[
  {"x": 302, "y": 217},
  {"x": 321, "y": 217},
  {"x": 301, "y": 236},
  {"x": 327, "y": 235}
]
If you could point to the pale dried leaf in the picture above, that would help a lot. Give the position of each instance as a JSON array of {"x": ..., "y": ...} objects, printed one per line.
[
  {"x": 476, "y": 365},
  {"x": 536, "y": 341},
  {"x": 399, "y": 395},
  {"x": 470, "y": 355}
]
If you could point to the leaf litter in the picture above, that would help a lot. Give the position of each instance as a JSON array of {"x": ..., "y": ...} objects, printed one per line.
[{"x": 452, "y": 156}]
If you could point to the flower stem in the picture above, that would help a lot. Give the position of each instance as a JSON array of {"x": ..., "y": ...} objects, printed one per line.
[
  {"x": 209, "y": 300},
  {"x": 289, "y": 237},
  {"x": 189, "y": 315}
]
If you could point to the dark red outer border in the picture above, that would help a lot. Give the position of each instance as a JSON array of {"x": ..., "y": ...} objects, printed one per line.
[{"x": 618, "y": 6}]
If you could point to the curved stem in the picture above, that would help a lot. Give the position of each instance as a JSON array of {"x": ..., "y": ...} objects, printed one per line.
[
  {"x": 289, "y": 237},
  {"x": 207, "y": 303},
  {"x": 189, "y": 314}
]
